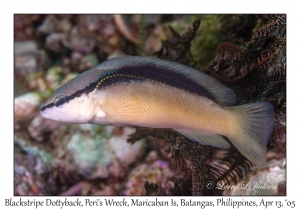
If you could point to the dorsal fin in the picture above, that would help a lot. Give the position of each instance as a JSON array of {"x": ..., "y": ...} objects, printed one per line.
[{"x": 221, "y": 94}]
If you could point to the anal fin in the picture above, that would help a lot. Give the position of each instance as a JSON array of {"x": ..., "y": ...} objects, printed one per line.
[{"x": 205, "y": 138}]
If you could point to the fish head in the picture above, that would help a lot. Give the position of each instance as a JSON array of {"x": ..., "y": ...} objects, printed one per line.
[{"x": 75, "y": 101}]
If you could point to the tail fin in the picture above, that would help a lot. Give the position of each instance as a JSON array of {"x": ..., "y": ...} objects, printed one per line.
[{"x": 253, "y": 127}]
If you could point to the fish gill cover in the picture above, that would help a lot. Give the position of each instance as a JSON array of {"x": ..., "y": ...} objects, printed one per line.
[{"x": 245, "y": 52}]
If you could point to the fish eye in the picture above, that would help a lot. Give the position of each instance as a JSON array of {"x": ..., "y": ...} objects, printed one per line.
[{"x": 60, "y": 100}]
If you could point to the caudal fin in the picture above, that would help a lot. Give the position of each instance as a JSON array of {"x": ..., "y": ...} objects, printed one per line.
[{"x": 252, "y": 129}]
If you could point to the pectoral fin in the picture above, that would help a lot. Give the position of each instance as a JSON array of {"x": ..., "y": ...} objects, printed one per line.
[{"x": 205, "y": 138}]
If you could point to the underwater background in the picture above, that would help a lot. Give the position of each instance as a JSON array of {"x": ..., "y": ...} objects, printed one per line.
[{"x": 245, "y": 52}]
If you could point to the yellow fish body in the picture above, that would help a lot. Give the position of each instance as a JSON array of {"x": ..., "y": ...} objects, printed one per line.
[{"x": 150, "y": 92}]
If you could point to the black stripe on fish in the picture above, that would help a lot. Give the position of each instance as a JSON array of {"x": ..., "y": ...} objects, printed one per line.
[
  {"x": 153, "y": 73},
  {"x": 47, "y": 106},
  {"x": 78, "y": 93}
]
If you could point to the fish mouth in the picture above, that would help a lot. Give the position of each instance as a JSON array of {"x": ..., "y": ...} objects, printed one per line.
[
  {"x": 43, "y": 114},
  {"x": 42, "y": 111},
  {"x": 46, "y": 115}
]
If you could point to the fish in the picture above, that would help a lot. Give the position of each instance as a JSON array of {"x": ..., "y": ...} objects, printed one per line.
[{"x": 156, "y": 93}]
